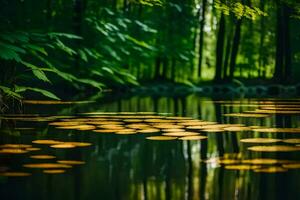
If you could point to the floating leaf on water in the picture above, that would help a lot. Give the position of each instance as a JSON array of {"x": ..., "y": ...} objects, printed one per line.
[
  {"x": 159, "y": 120},
  {"x": 173, "y": 130},
  {"x": 161, "y": 138},
  {"x": 255, "y": 127},
  {"x": 29, "y": 119},
  {"x": 215, "y": 130},
  {"x": 133, "y": 120},
  {"x": 54, "y": 171},
  {"x": 260, "y": 140},
  {"x": 115, "y": 127},
  {"x": 71, "y": 162},
  {"x": 42, "y": 157},
  {"x": 197, "y": 123},
  {"x": 254, "y": 115},
  {"x": 106, "y": 123},
  {"x": 289, "y": 112},
  {"x": 222, "y": 161},
  {"x": 138, "y": 126},
  {"x": 179, "y": 118},
  {"x": 194, "y": 127},
  {"x": 237, "y": 128},
  {"x": 149, "y": 130},
  {"x": 167, "y": 126},
  {"x": 53, "y": 102},
  {"x": 273, "y": 169},
  {"x": 79, "y": 144},
  {"x": 265, "y": 161},
  {"x": 46, "y": 165},
  {"x": 104, "y": 131},
  {"x": 17, "y": 146},
  {"x": 178, "y": 134},
  {"x": 12, "y": 151},
  {"x": 68, "y": 123},
  {"x": 47, "y": 142},
  {"x": 289, "y": 108},
  {"x": 126, "y": 132},
  {"x": 278, "y": 130},
  {"x": 291, "y": 166},
  {"x": 276, "y": 148},
  {"x": 216, "y": 126},
  {"x": 292, "y": 140},
  {"x": 196, "y": 137},
  {"x": 242, "y": 167},
  {"x": 63, "y": 146},
  {"x": 82, "y": 127},
  {"x": 15, "y": 174},
  {"x": 33, "y": 149},
  {"x": 80, "y": 120}
]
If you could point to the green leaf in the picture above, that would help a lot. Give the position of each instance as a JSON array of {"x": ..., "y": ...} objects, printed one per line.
[
  {"x": 91, "y": 83},
  {"x": 66, "y": 35},
  {"x": 9, "y": 92},
  {"x": 83, "y": 55},
  {"x": 37, "y": 72},
  {"x": 37, "y": 48},
  {"x": 46, "y": 93}
]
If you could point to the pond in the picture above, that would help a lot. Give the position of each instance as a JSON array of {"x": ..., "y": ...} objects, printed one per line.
[{"x": 145, "y": 147}]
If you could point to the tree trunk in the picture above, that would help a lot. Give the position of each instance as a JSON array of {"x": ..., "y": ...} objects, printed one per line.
[
  {"x": 173, "y": 70},
  {"x": 227, "y": 55},
  {"x": 283, "y": 52},
  {"x": 235, "y": 48},
  {"x": 287, "y": 49},
  {"x": 201, "y": 37},
  {"x": 157, "y": 68},
  {"x": 220, "y": 49},
  {"x": 262, "y": 39},
  {"x": 165, "y": 68}
]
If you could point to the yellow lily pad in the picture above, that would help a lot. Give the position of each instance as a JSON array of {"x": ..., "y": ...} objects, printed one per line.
[
  {"x": 276, "y": 148},
  {"x": 161, "y": 138}
]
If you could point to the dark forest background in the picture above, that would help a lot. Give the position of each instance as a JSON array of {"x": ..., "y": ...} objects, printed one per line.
[{"x": 89, "y": 45}]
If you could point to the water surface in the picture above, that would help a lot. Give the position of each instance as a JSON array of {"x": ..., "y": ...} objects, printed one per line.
[{"x": 127, "y": 165}]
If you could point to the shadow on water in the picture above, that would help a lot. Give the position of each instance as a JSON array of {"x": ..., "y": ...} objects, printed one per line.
[{"x": 132, "y": 167}]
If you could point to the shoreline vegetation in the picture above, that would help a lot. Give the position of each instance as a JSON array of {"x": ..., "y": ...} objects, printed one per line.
[{"x": 204, "y": 46}]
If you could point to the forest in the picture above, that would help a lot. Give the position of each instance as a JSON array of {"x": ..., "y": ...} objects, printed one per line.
[
  {"x": 149, "y": 99},
  {"x": 53, "y": 47}
]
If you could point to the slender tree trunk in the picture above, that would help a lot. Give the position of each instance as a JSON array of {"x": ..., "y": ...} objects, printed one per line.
[
  {"x": 287, "y": 49},
  {"x": 157, "y": 68},
  {"x": 282, "y": 43},
  {"x": 220, "y": 49},
  {"x": 165, "y": 68},
  {"x": 235, "y": 48},
  {"x": 201, "y": 37},
  {"x": 227, "y": 55},
  {"x": 262, "y": 39},
  {"x": 173, "y": 70}
]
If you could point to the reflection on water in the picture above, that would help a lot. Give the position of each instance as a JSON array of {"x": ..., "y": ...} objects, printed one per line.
[{"x": 152, "y": 148}]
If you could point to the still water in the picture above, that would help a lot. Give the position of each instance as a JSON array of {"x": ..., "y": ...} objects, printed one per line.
[{"x": 106, "y": 149}]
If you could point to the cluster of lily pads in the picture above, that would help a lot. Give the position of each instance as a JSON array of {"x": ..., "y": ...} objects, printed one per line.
[
  {"x": 57, "y": 167},
  {"x": 263, "y": 165},
  {"x": 161, "y": 127}
]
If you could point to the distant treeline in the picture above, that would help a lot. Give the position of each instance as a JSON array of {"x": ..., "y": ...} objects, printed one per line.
[{"x": 110, "y": 43}]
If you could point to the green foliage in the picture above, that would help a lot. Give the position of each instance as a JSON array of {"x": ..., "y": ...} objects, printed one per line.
[
  {"x": 28, "y": 48},
  {"x": 20, "y": 89},
  {"x": 148, "y": 2},
  {"x": 239, "y": 10}
]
